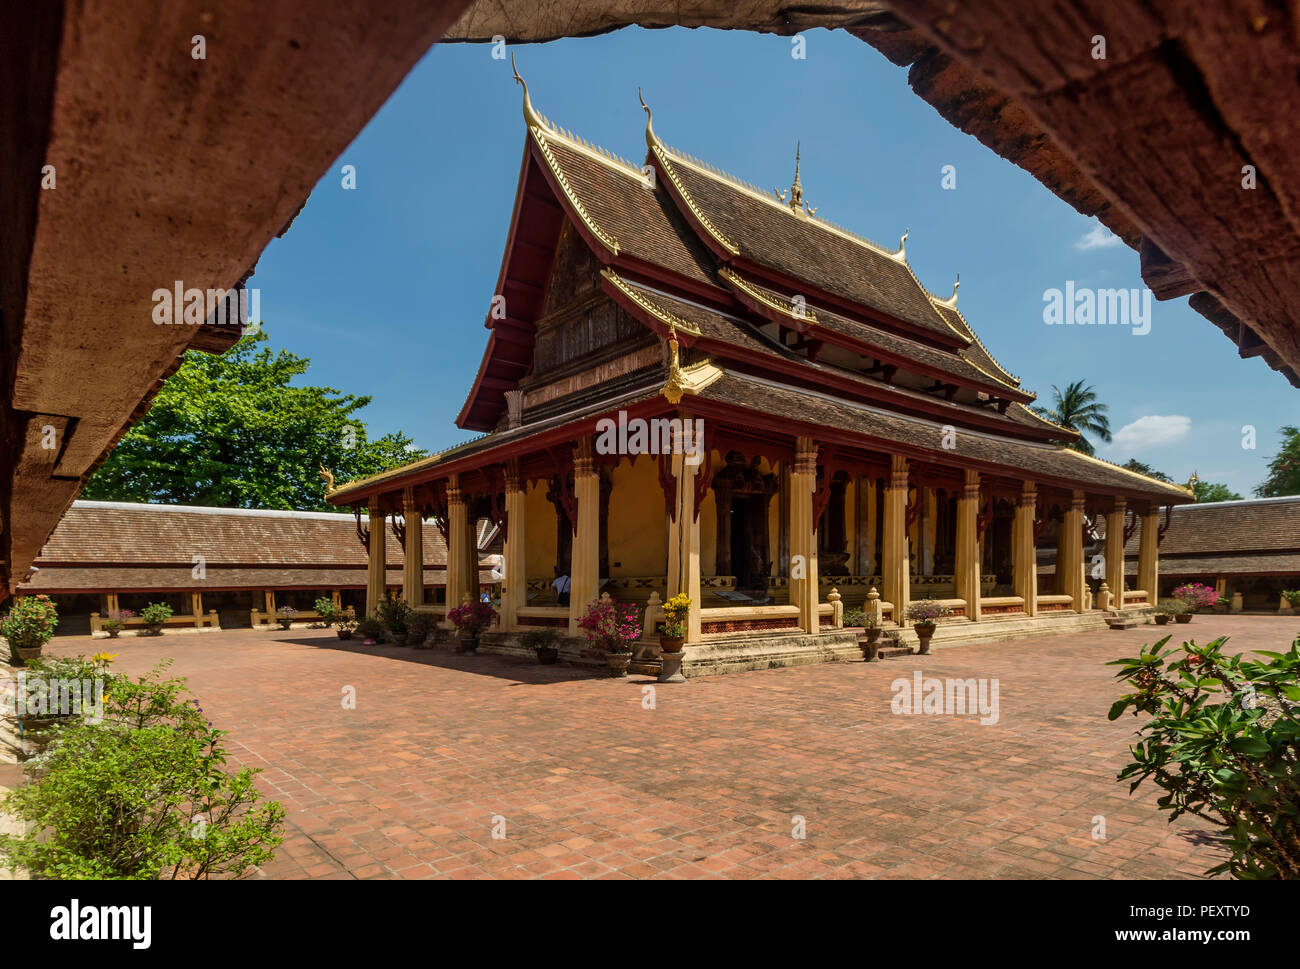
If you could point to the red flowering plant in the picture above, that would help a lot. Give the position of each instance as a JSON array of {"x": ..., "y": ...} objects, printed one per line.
[
  {"x": 612, "y": 624},
  {"x": 1197, "y": 595},
  {"x": 30, "y": 622},
  {"x": 472, "y": 618}
]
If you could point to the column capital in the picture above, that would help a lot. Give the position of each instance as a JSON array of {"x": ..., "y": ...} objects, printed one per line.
[
  {"x": 454, "y": 495},
  {"x": 897, "y": 471},
  {"x": 1028, "y": 495},
  {"x": 513, "y": 479},
  {"x": 1077, "y": 501},
  {"x": 971, "y": 488},
  {"x": 805, "y": 456},
  {"x": 1118, "y": 505},
  {"x": 584, "y": 458}
]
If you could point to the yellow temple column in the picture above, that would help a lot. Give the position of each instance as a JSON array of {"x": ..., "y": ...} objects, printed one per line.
[
  {"x": 375, "y": 576},
  {"x": 803, "y": 535},
  {"x": 413, "y": 559},
  {"x": 966, "y": 577},
  {"x": 1024, "y": 558},
  {"x": 457, "y": 543},
  {"x": 1115, "y": 552},
  {"x": 585, "y": 564},
  {"x": 895, "y": 571},
  {"x": 514, "y": 588},
  {"x": 684, "y": 541},
  {"x": 1069, "y": 557},
  {"x": 1149, "y": 556}
]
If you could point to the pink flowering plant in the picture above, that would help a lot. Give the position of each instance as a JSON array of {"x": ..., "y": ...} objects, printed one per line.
[
  {"x": 924, "y": 612},
  {"x": 30, "y": 622},
  {"x": 612, "y": 624},
  {"x": 1197, "y": 595},
  {"x": 472, "y": 618}
]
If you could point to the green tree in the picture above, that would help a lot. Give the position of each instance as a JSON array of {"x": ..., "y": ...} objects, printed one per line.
[
  {"x": 1078, "y": 409},
  {"x": 1284, "y": 470},
  {"x": 1133, "y": 464},
  {"x": 1213, "y": 491},
  {"x": 234, "y": 431}
]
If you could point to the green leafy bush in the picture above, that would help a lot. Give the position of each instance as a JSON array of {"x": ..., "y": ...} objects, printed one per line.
[
  {"x": 156, "y": 613},
  {"x": 142, "y": 795},
  {"x": 327, "y": 610},
  {"x": 393, "y": 612},
  {"x": 30, "y": 622},
  {"x": 370, "y": 628},
  {"x": 1221, "y": 742},
  {"x": 418, "y": 627},
  {"x": 544, "y": 637},
  {"x": 1171, "y": 607}
]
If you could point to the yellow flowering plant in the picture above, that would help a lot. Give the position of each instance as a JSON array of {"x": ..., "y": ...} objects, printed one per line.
[{"x": 676, "y": 610}]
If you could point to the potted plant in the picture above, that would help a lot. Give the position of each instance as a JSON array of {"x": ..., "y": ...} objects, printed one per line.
[
  {"x": 418, "y": 627},
  {"x": 1176, "y": 609},
  {"x": 371, "y": 630},
  {"x": 471, "y": 620},
  {"x": 1166, "y": 609},
  {"x": 285, "y": 616},
  {"x": 116, "y": 622},
  {"x": 615, "y": 626},
  {"x": 1196, "y": 595},
  {"x": 28, "y": 626},
  {"x": 924, "y": 613},
  {"x": 672, "y": 631},
  {"x": 1221, "y": 605},
  {"x": 1291, "y": 599},
  {"x": 154, "y": 615},
  {"x": 545, "y": 643},
  {"x": 327, "y": 611},
  {"x": 346, "y": 623},
  {"x": 394, "y": 611}
]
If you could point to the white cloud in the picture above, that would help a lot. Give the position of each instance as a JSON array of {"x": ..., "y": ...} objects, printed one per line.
[
  {"x": 1099, "y": 237},
  {"x": 1151, "y": 431}
]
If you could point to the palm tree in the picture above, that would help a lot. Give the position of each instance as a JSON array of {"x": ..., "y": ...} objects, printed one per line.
[{"x": 1078, "y": 409}]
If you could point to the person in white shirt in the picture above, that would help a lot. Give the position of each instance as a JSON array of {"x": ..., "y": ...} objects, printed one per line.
[{"x": 561, "y": 587}]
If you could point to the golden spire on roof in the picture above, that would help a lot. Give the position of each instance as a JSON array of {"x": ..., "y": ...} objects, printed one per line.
[
  {"x": 797, "y": 205},
  {"x": 901, "y": 255},
  {"x": 651, "y": 139},
  {"x": 533, "y": 119}
]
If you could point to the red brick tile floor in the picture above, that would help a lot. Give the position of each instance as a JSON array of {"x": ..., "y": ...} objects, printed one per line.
[{"x": 587, "y": 779}]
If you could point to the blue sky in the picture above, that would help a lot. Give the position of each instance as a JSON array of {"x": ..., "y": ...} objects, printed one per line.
[{"x": 385, "y": 287}]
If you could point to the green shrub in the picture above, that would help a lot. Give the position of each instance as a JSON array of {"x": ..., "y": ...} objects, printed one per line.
[
  {"x": 1292, "y": 596},
  {"x": 30, "y": 622},
  {"x": 418, "y": 627},
  {"x": 393, "y": 612},
  {"x": 142, "y": 795},
  {"x": 541, "y": 638},
  {"x": 1221, "y": 742},
  {"x": 327, "y": 610},
  {"x": 370, "y": 628},
  {"x": 156, "y": 613},
  {"x": 1171, "y": 607}
]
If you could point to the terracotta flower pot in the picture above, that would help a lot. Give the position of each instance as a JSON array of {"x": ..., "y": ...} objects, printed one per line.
[
  {"x": 671, "y": 644},
  {"x": 154, "y": 628},
  {"x": 1184, "y": 617},
  {"x": 112, "y": 633},
  {"x": 19, "y": 655},
  {"x": 1161, "y": 619},
  {"x": 344, "y": 633},
  {"x": 924, "y": 631}
]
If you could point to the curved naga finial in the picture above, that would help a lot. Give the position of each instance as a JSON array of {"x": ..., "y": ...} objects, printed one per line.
[
  {"x": 951, "y": 301},
  {"x": 1192, "y": 482},
  {"x": 651, "y": 139},
  {"x": 329, "y": 479},
  {"x": 901, "y": 255},
  {"x": 533, "y": 119}
]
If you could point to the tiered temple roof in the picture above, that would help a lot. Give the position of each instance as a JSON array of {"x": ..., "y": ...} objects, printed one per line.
[{"x": 804, "y": 328}]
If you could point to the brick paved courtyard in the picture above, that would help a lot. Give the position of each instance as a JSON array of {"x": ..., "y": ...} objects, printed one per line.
[{"x": 590, "y": 784}]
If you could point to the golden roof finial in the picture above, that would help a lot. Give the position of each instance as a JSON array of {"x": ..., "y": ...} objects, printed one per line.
[
  {"x": 951, "y": 301},
  {"x": 651, "y": 139},
  {"x": 531, "y": 117},
  {"x": 901, "y": 255},
  {"x": 329, "y": 479},
  {"x": 674, "y": 386}
]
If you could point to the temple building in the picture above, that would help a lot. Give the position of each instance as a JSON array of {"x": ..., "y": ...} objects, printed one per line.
[
  {"x": 1247, "y": 550},
  {"x": 830, "y": 427},
  {"x": 218, "y": 568}
]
